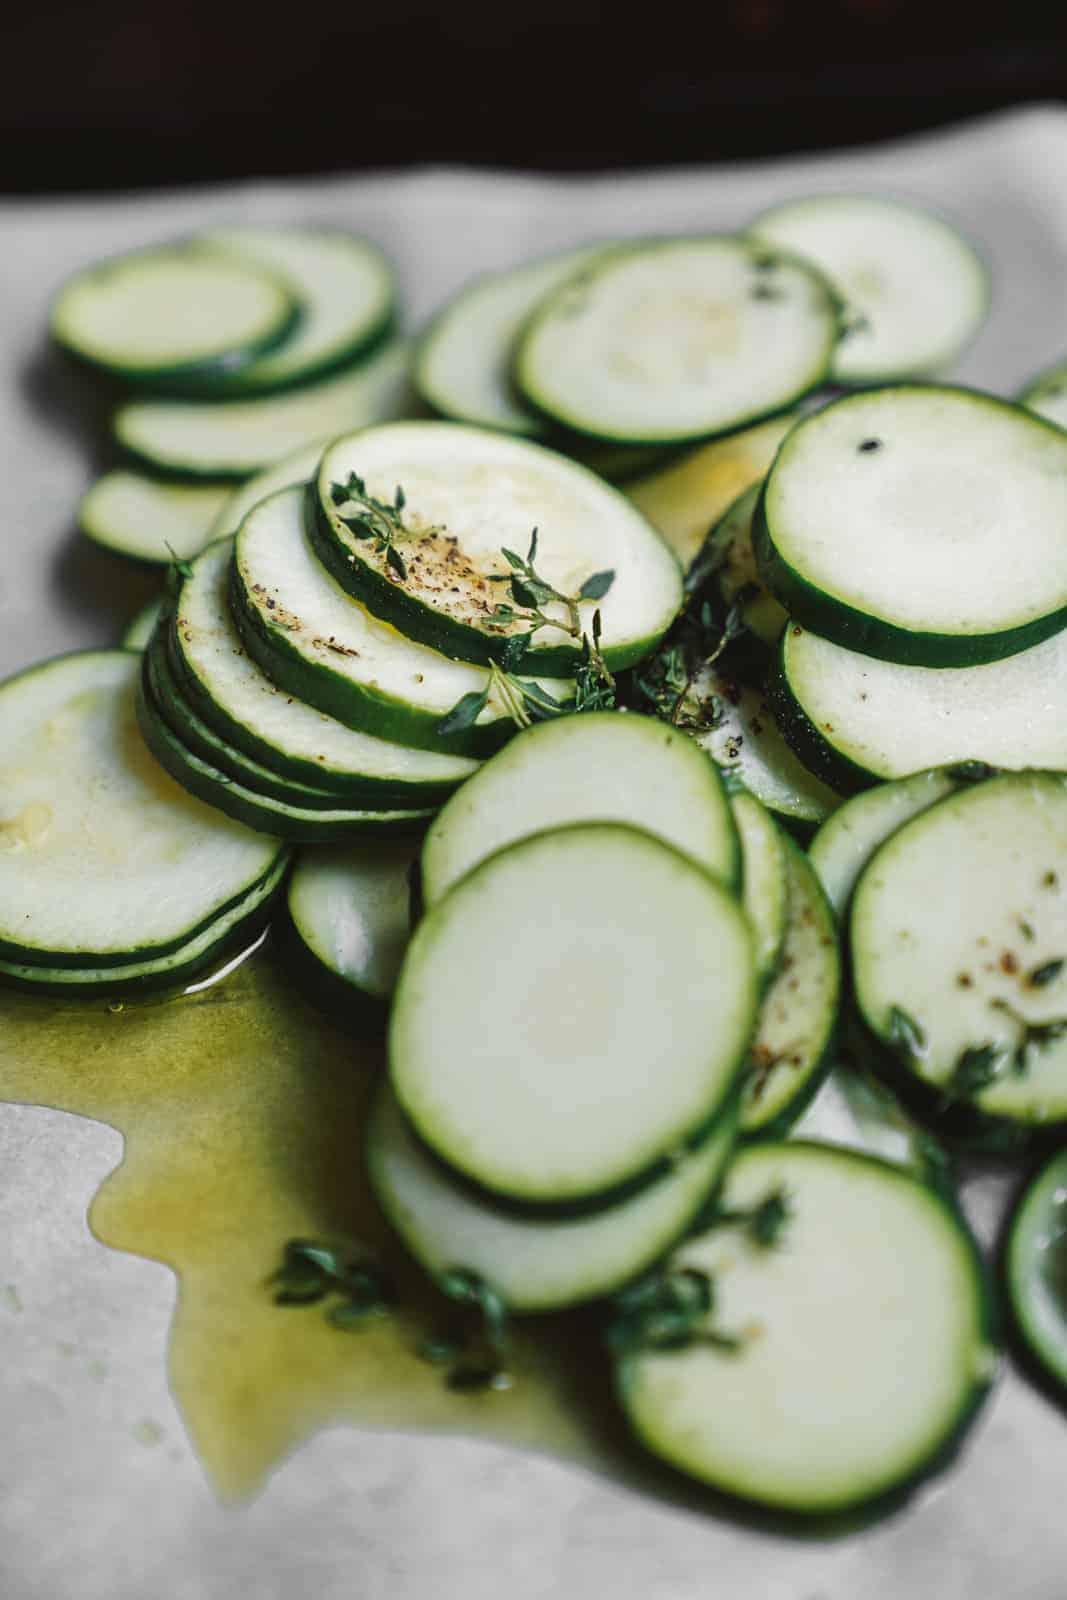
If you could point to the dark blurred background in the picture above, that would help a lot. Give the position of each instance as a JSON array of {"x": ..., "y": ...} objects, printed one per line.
[{"x": 109, "y": 95}]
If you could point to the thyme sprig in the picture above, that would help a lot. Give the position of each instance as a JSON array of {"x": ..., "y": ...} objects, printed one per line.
[
  {"x": 311, "y": 1272},
  {"x": 764, "y": 1223},
  {"x": 375, "y": 519},
  {"x": 695, "y": 643},
  {"x": 668, "y": 1310},
  {"x": 476, "y": 1357},
  {"x": 1034, "y": 1035}
]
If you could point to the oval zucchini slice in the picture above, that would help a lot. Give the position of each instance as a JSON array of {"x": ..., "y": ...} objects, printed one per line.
[
  {"x": 228, "y": 691},
  {"x": 171, "y": 313},
  {"x": 1036, "y": 1267},
  {"x": 592, "y": 1091},
  {"x": 321, "y": 646},
  {"x": 958, "y": 934},
  {"x": 350, "y": 907},
  {"x": 429, "y": 525},
  {"x": 344, "y": 286},
  {"x": 463, "y": 360},
  {"x": 534, "y": 1263},
  {"x": 233, "y": 438},
  {"x": 104, "y": 861},
  {"x": 598, "y": 767},
  {"x": 765, "y": 889},
  {"x": 826, "y": 1399},
  {"x": 797, "y": 1022},
  {"x": 678, "y": 339},
  {"x": 915, "y": 291},
  {"x": 854, "y": 720},
  {"x": 150, "y": 519},
  {"x": 920, "y": 525}
]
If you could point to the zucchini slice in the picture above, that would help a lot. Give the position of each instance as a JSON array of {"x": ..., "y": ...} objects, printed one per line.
[
  {"x": 958, "y": 933},
  {"x": 685, "y": 498},
  {"x": 415, "y": 520},
  {"x": 350, "y": 906},
  {"x": 141, "y": 627},
  {"x": 298, "y": 823},
  {"x": 765, "y": 892},
  {"x": 463, "y": 360},
  {"x": 1046, "y": 394},
  {"x": 291, "y": 469},
  {"x": 728, "y": 561},
  {"x": 171, "y": 314},
  {"x": 344, "y": 286},
  {"x": 226, "y": 688},
  {"x": 228, "y": 935},
  {"x": 233, "y": 438},
  {"x": 848, "y": 839},
  {"x": 530, "y": 1051},
  {"x": 915, "y": 290},
  {"x": 1036, "y": 1267},
  {"x": 678, "y": 339},
  {"x": 150, "y": 519},
  {"x": 103, "y": 860},
  {"x": 855, "y": 720},
  {"x": 317, "y": 643},
  {"x": 743, "y": 739},
  {"x": 832, "y": 1399},
  {"x": 797, "y": 1022},
  {"x": 921, "y": 525},
  {"x": 535, "y": 1263},
  {"x": 598, "y": 767}
]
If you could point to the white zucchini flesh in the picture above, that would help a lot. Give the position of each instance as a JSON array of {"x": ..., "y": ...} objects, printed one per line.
[
  {"x": 102, "y": 857},
  {"x": 890, "y": 721},
  {"x": 232, "y": 438},
  {"x": 327, "y": 629},
  {"x": 489, "y": 492},
  {"x": 687, "y": 497},
  {"x": 344, "y": 287},
  {"x": 463, "y": 361},
  {"x": 765, "y": 891},
  {"x": 932, "y": 511},
  {"x": 730, "y": 561},
  {"x": 169, "y": 309},
  {"x": 298, "y": 467},
  {"x": 952, "y": 918},
  {"x": 835, "y": 1397},
  {"x": 535, "y": 1264},
  {"x": 143, "y": 625},
  {"x": 798, "y": 1015},
  {"x": 591, "y": 1090},
  {"x": 164, "y": 972},
  {"x": 209, "y": 649},
  {"x": 597, "y": 767},
  {"x": 1046, "y": 395},
  {"x": 351, "y": 906},
  {"x": 847, "y": 839},
  {"x": 150, "y": 519},
  {"x": 915, "y": 290},
  {"x": 677, "y": 339},
  {"x": 747, "y": 743}
]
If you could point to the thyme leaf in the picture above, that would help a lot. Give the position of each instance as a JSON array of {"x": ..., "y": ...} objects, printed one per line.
[
  {"x": 976, "y": 1068},
  {"x": 667, "y": 1310},
  {"x": 379, "y": 520},
  {"x": 904, "y": 1034},
  {"x": 311, "y": 1271},
  {"x": 1047, "y": 973}
]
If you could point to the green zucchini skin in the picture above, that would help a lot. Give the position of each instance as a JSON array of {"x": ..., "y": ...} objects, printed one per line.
[
  {"x": 1041, "y": 1353},
  {"x": 298, "y": 825},
  {"x": 807, "y": 743},
  {"x": 844, "y": 624}
]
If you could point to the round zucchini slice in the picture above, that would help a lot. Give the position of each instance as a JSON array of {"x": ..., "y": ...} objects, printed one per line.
[
  {"x": 344, "y": 286},
  {"x": 171, "y": 314},
  {"x": 855, "y": 720},
  {"x": 150, "y": 519},
  {"x": 1036, "y": 1267},
  {"x": 599, "y": 767},
  {"x": 920, "y": 525},
  {"x": 559, "y": 1053},
  {"x": 794, "y": 1390},
  {"x": 535, "y": 1263},
  {"x": 463, "y": 538},
  {"x": 350, "y": 907},
  {"x": 915, "y": 291},
  {"x": 104, "y": 861},
  {"x": 678, "y": 339},
  {"x": 958, "y": 933}
]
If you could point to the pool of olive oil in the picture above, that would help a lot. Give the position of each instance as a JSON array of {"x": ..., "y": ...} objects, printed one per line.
[{"x": 242, "y": 1110}]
